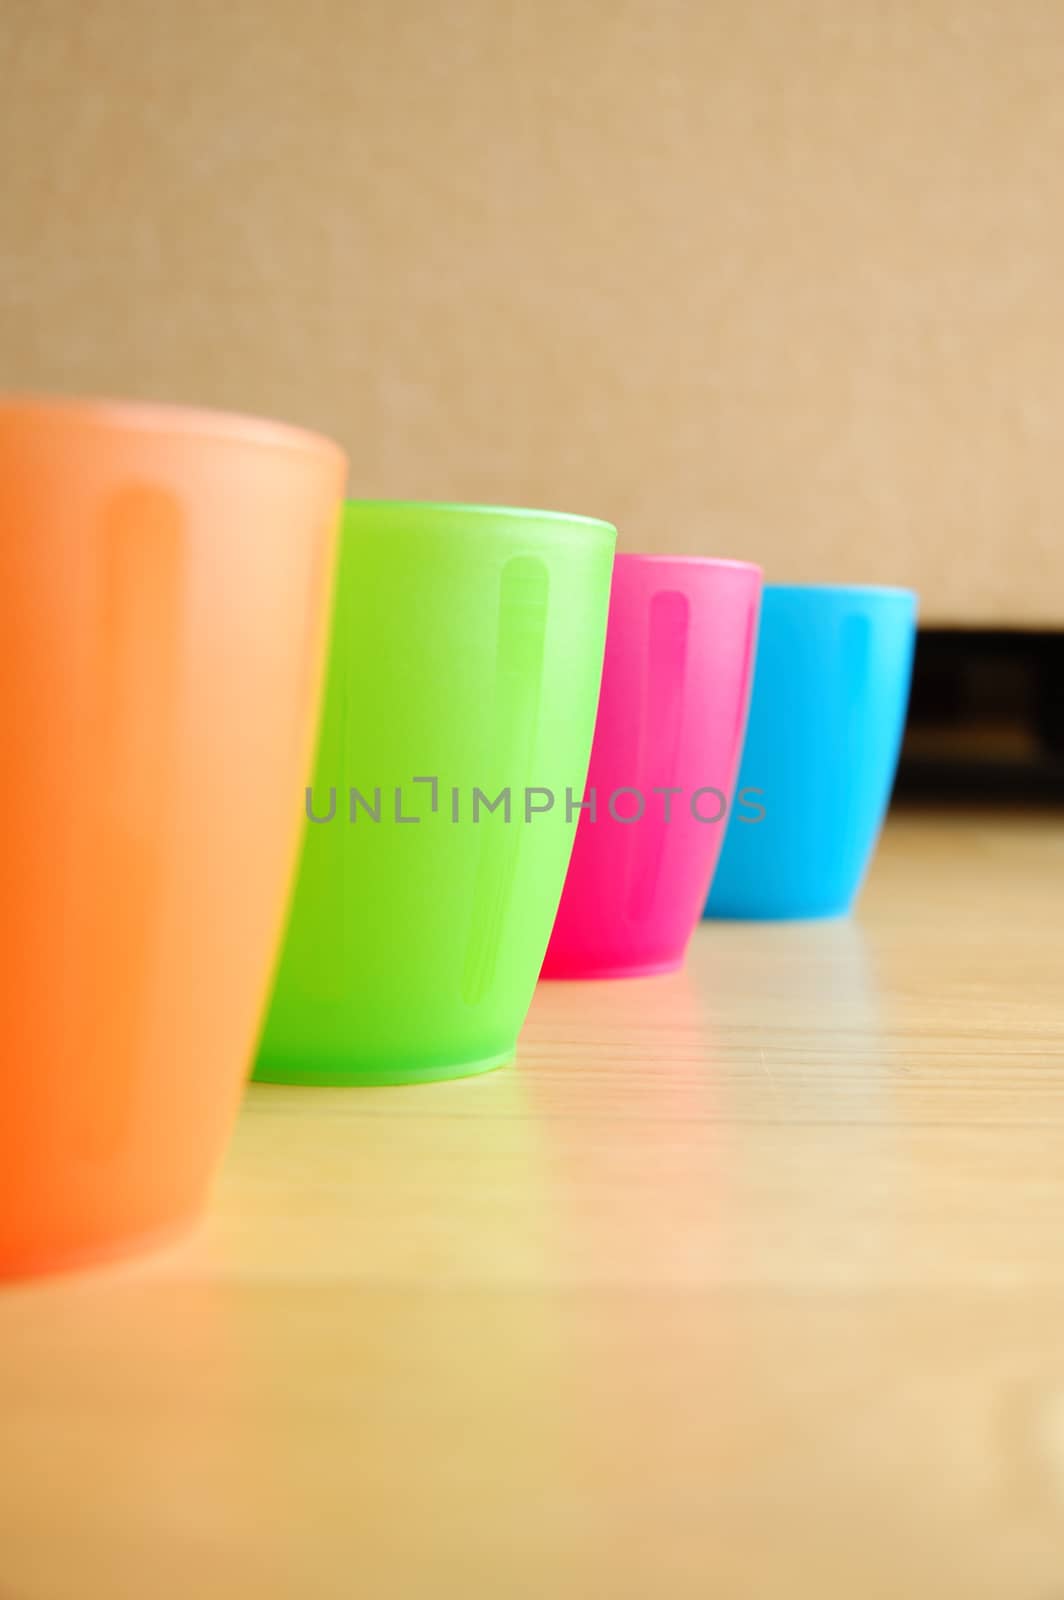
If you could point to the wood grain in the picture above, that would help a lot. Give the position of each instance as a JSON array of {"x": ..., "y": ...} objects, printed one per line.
[{"x": 744, "y": 1282}]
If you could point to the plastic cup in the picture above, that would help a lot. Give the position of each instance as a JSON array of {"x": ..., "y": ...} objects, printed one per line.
[
  {"x": 675, "y": 686},
  {"x": 826, "y": 722},
  {"x": 164, "y": 585},
  {"x": 465, "y": 665}
]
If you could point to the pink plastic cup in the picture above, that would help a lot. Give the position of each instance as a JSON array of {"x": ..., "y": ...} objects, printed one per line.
[{"x": 680, "y": 647}]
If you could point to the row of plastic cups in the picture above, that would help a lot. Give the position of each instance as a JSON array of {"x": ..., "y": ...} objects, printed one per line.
[
  {"x": 428, "y": 887},
  {"x": 166, "y": 589}
]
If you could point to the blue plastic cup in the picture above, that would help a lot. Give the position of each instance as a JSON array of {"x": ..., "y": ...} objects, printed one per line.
[{"x": 827, "y": 714}]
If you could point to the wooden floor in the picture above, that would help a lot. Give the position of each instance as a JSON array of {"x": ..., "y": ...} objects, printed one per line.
[{"x": 744, "y": 1283}]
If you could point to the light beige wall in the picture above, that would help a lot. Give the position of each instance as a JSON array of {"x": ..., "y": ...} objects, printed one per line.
[{"x": 773, "y": 278}]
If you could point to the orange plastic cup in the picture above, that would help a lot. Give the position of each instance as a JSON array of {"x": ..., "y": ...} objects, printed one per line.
[{"x": 164, "y": 586}]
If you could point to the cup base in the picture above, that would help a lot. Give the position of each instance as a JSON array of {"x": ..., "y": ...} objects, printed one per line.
[
  {"x": 47, "y": 1263},
  {"x": 816, "y": 914},
  {"x": 597, "y": 974},
  {"x": 343, "y": 1076}
]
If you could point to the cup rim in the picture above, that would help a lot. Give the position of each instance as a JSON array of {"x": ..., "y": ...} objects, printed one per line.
[
  {"x": 844, "y": 591},
  {"x": 729, "y": 563},
  {"x": 475, "y": 508},
  {"x": 162, "y": 417}
]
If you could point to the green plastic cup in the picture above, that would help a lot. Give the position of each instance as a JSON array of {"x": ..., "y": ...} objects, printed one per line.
[{"x": 460, "y": 704}]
